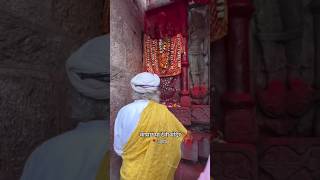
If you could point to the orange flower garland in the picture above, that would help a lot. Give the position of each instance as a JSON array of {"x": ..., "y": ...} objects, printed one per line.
[{"x": 163, "y": 56}]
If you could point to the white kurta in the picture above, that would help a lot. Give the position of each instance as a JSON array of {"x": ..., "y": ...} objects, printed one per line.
[
  {"x": 74, "y": 155},
  {"x": 126, "y": 122}
]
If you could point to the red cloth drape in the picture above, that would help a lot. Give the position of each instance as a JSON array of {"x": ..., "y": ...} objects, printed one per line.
[{"x": 167, "y": 21}]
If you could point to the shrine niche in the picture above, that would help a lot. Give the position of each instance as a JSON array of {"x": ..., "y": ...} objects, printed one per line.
[{"x": 177, "y": 48}]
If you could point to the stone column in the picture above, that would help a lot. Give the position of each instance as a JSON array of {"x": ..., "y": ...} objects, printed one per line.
[
  {"x": 239, "y": 119},
  {"x": 185, "y": 100},
  {"x": 315, "y": 9}
]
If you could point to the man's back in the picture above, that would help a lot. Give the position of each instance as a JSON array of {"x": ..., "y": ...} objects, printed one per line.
[
  {"x": 74, "y": 155},
  {"x": 126, "y": 121},
  {"x": 153, "y": 149}
]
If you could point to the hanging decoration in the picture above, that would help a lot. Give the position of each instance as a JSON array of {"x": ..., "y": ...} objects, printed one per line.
[
  {"x": 167, "y": 21},
  {"x": 163, "y": 56},
  {"x": 165, "y": 47}
]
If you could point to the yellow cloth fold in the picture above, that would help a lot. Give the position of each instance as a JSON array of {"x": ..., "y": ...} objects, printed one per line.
[
  {"x": 153, "y": 158},
  {"x": 104, "y": 168}
]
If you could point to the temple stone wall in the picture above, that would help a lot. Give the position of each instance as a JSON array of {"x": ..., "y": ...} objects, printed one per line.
[
  {"x": 126, "y": 52},
  {"x": 36, "y": 38},
  {"x": 125, "y": 60}
]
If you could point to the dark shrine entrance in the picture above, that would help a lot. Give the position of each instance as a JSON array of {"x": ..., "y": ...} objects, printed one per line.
[{"x": 175, "y": 44}]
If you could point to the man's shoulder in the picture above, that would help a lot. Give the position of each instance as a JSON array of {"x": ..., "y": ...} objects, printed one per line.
[
  {"x": 126, "y": 108},
  {"x": 71, "y": 138},
  {"x": 61, "y": 140},
  {"x": 160, "y": 107},
  {"x": 133, "y": 105}
]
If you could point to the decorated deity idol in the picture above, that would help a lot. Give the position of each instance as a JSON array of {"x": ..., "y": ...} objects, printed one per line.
[{"x": 198, "y": 53}]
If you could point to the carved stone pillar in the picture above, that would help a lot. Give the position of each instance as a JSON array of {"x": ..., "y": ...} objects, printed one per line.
[
  {"x": 239, "y": 120},
  {"x": 315, "y": 8},
  {"x": 185, "y": 100}
]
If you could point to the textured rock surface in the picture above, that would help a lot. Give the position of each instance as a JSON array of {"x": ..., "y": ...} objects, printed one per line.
[
  {"x": 126, "y": 51},
  {"x": 36, "y": 38},
  {"x": 126, "y": 60}
]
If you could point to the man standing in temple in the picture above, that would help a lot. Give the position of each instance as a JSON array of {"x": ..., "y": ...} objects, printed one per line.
[
  {"x": 146, "y": 134},
  {"x": 81, "y": 153}
]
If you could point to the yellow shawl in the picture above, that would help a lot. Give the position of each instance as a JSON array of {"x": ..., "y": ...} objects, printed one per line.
[
  {"x": 153, "y": 158},
  {"x": 104, "y": 168}
]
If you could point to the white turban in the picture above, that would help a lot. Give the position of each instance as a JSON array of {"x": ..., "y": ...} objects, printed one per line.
[
  {"x": 145, "y": 82},
  {"x": 87, "y": 65}
]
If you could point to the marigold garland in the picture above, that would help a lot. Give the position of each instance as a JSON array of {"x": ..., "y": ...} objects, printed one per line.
[{"x": 163, "y": 56}]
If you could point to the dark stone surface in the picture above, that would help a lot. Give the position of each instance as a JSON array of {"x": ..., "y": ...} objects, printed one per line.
[
  {"x": 28, "y": 46},
  {"x": 234, "y": 162},
  {"x": 31, "y": 111},
  {"x": 78, "y": 17},
  {"x": 287, "y": 158},
  {"x": 285, "y": 84},
  {"x": 36, "y": 38},
  {"x": 126, "y": 61},
  {"x": 283, "y": 59}
]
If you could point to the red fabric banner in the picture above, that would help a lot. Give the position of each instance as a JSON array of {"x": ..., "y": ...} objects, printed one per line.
[{"x": 167, "y": 21}]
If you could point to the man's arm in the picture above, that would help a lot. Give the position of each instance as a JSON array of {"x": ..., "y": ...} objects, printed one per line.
[
  {"x": 115, "y": 159},
  {"x": 118, "y": 127}
]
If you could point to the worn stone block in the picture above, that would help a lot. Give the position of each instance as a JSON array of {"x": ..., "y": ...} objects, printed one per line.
[
  {"x": 200, "y": 114},
  {"x": 289, "y": 158},
  {"x": 183, "y": 114},
  {"x": 234, "y": 162},
  {"x": 188, "y": 170}
]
